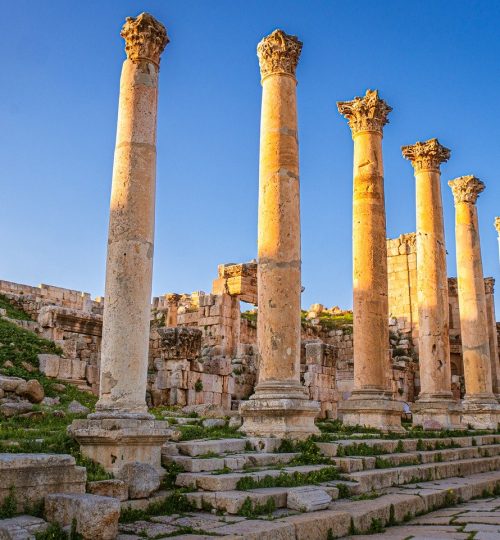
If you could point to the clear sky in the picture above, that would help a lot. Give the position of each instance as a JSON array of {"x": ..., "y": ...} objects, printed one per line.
[{"x": 435, "y": 62}]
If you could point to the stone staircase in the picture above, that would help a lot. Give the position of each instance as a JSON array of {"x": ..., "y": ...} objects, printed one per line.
[{"x": 235, "y": 476}]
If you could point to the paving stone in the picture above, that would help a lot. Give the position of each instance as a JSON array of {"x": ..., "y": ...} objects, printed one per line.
[
  {"x": 253, "y": 529},
  {"x": 308, "y": 499}
]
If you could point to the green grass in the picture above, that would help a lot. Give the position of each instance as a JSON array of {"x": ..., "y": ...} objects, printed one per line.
[
  {"x": 289, "y": 479},
  {"x": 308, "y": 452},
  {"x": 190, "y": 432},
  {"x": 251, "y": 510},
  {"x": 175, "y": 503},
  {"x": 43, "y": 432},
  {"x": 12, "y": 311}
]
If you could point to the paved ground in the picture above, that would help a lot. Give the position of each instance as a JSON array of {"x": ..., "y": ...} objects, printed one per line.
[{"x": 477, "y": 520}]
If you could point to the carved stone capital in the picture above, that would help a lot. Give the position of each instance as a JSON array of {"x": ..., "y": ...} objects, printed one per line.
[
  {"x": 452, "y": 286},
  {"x": 278, "y": 53},
  {"x": 426, "y": 155},
  {"x": 489, "y": 285},
  {"x": 497, "y": 224},
  {"x": 466, "y": 188},
  {"x": 145, "y": 38},
  {"x": 367, "y": 113},
  {"x": 172, "y": 299}
]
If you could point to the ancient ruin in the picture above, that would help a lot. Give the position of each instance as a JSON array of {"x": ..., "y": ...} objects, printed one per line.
[{"x": 183, "y": 415}]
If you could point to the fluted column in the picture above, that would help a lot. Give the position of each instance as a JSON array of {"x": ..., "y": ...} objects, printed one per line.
[
  {"x": 489, "y": 288},
  {"x": 127, "y": 304},
  {"x": 481, "y": 409},
  {"x": 280, "y": 404},
  {"x": 435, "y": 407},
  {"x": 371, "y": 402},
  {"x": 497, "y": 227}
]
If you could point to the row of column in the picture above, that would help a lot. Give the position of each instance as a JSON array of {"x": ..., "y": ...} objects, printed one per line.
[{"x": 121, "y": 430}]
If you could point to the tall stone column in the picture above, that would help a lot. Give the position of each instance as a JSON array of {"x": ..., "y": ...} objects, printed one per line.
[
  {"x": 280, "y": 404},
  {"x": 481, "y": 409},
  {"x": 497, "y": 227},
  {"x": 371, "y": 402},
  {"x": 121, "y": 430},
  {"x": 435, "y": 407},
  {"x": 489, "y": 288}
]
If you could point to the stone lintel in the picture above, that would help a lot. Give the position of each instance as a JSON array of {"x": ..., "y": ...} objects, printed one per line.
[
  {"x": 466, "y": 189},
  {"x": 427, "y": 155},
  {"x": 367, "y": 113}
]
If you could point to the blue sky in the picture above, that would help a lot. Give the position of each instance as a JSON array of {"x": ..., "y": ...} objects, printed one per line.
[{"x": 435, "y": 63}]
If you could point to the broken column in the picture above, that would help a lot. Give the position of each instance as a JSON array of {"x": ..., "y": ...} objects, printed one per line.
[
  {"x": 121, "y": 429},
  {"x": 172, "y": 301},
  {"x": 480, "y": 407},
  {"x": 435, "y": 407},
  {"x": 371, "y": 402},
  {"x": 280, "y": 405}
]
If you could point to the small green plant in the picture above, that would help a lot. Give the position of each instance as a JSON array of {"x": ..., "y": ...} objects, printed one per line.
[
  {"x": 392, "y": 516},
  {"x": 399, "y": 447},
  {"x": 376, "y": 526},
  {"x": 352, "y": 529},
  {"x": 420, "y": 445},
  {"x": 175, "y": 503},
  {"x": 8, "y": 507},
  {"x": 55, "y": 532},
  {"x": 438, "y": 458},
  {"x": 251, "y": 510},
  {"x": 367, "y": 496},
  {"x": 343, "y": 491},
  {"x": 329, "y": 535},
  {"x": 198, "y": 386},
  {"x": 289, "y": 480}
]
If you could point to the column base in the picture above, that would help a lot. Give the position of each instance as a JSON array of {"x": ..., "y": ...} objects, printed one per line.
[
  {"x": 437, "y": 412},
  {"x": 270, "y": 413},
  {"x": 114, "y": 441},
  {"x": 372, "y": 409},
  {"x": 481, "y": 415}
]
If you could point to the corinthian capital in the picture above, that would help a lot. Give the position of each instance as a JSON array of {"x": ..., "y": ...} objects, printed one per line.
[
  {"x": 426, "y": 155},
  {"x": 489, "y": 285},
  {"x": 278, "y": 53},
  {"x": 497, "y": 224},
  {"x": 466, "y": 189},
  {"x": 368, "y": 113},
  {"x": 145, "y": 38}
]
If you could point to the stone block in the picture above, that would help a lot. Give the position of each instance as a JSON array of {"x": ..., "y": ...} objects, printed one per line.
[
  {"x": 95, "y": 516},
  {"x": 33, "y": 476},
  {"x": 78, "y": 369},
  {"x": 142, "y": 479},
  {"x": 65, "y": 368},
  {"x": 21, "y": 527},
  {"x": 308, "y": 499},
  {"x": 115, "y": 488},
  {"x": 49, "y": 364}
]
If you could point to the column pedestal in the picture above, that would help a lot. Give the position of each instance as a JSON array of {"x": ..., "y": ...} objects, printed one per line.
[
  {"x": 113, "y": 442},
  {"x": 377, "y": 410},
  {"x": 434, "y": 413},
  {"x": 279, "y": 410}
]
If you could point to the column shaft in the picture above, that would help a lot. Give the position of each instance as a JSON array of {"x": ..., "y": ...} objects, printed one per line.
[
  {"x": 125, "y": 339},
  {"x": 432, "y": 285},
  {"x": 372, "y": 366},
  {"x": 371, "y": 402},
  {"x": 278, "y": 273},
  {"x": 481, "y": 409}
]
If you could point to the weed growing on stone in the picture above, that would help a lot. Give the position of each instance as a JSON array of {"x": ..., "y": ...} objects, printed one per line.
[
  {"x": 289, "y": 479},
  {"x": 175, "y": 503},
  {"x": 308, "y": 452},
  {"x": 376, "y": 526},
  {"x": 251, "y": 510},
  {"x": 55, "y": 532}
]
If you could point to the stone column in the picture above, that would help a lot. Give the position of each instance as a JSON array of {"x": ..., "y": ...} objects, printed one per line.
[
  {"x": 435, "y": 407},
  {"x": 172, "y": 301},
  {"x": 121, "y": 430},
  {"x": 497, "y": 227},
  {"x": 481, "y": 409},
  {"x": 489, "y": 287},
  {"x": 372, "y": 402},
  {"x": 280, "y": 404}
]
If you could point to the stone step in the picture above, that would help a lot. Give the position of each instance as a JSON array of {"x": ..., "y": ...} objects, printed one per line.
[
  {"x": 344, "y": 517},
  {"x": 377, "y": 479},
  {"x": 207, "y": 446},
  {"x": 386, "y": 446},
  {"x": 232, "y": 501},
  {"x": 229, "y": 481},
  {"x": 235, "y": 462},
  {"x": 356, "y": 464}
]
